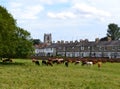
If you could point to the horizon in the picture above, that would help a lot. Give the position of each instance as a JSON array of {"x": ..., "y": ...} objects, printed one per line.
[{"x": 67, "y": 20}]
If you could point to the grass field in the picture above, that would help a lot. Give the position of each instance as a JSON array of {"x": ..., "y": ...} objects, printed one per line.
[{"x": 23, "y": 74}]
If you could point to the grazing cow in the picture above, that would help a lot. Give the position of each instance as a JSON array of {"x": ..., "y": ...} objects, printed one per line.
[
  {"x": 49, "y": 63},
  {"x": 56, "y": 60},
  {"x": 61, "y": 60},
  {"x": 66, "y": 63},
  {"x": 7, "y": 60},
  {"x": 77, "y": 62},
  {"x": 35, "y": 61},
  {"x": 94, "y": 61},
  {"x": 87, "y": 63},
  {"x": 83, "y": 63},
  {"x": 44, "y": 62},
  {"x": 99, "y": 64}
]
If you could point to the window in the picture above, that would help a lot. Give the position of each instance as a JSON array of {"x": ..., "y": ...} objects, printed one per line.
[
  {"x": 113, "y": 48},
  {"x": 88, "y": 47},
  {"x": 73, "y": 47},
  {"x": 82, "y": 48},
  {"x": 109, "y": 47},
  {"x": 51, "y": 48},
  {"x": 100, "y": 48},
  {"x": 59, "y": 48}
]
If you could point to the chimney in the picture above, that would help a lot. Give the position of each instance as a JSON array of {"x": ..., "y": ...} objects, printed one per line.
[
  {"x": 81, "y": 40},
  {"x": 76, "y": 41},
  {"x": 86, "y": 40},
  {"x": 71, "y": 41},
  {"x": 58, "y": 42},
  {"x": 97, "y": 40}
]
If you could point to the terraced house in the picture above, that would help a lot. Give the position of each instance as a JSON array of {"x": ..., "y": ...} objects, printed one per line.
[{"x": 82, "y": 48}]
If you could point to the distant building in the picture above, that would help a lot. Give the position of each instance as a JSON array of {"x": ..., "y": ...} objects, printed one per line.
[
  {"x": 48, "y": 39},
  {"x": 82, "y": 48}
]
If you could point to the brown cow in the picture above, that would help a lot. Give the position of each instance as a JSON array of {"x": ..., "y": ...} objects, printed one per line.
[
  {"x": 35, "y": 61},
  {"x": 49, "y": 63},
  {"x": 77, "y": 62},
  {"x": 99, "y": 64}
]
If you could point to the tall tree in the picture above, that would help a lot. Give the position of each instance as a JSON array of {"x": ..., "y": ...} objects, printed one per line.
[
  {"x": 7, "y": 28},
  {"x": 113, "y": 31},
  {"x": 11, "y": 36}
]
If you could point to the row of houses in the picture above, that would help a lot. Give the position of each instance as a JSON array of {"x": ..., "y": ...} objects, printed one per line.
[{"x": 84, "y": 48}]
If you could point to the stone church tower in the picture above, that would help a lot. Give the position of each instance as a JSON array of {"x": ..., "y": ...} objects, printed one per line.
[{"x": 48, "y": 39}]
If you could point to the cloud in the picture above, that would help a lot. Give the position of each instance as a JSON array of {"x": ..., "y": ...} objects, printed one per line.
[
  {"x": 15, "y": 4},
  {"x": 53, "y": 1},
  {"x": 80, "y": 10},
  {"x": 90, "y": 11},
  {"x": 25, "y": 12},
  {"x": 62, "y": 15},
  {"x": 45, "y": 2}
]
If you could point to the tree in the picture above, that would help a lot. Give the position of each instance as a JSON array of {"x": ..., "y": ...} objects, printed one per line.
[
  {"x": 36, "y": 41},
  {"x": 7, "y": 27},
  {"x": 113, "y": 31},
  {"x": 24, "y": 44},
  {"x": 104, "y": 39},
  {"x": 12, "y": 37}
]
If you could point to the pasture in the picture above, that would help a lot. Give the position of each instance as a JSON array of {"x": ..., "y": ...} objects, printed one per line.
[{"x": 23, "y": 74}]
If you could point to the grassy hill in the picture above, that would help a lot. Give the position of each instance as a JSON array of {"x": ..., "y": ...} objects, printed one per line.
[{"x": 23, "y": 74}]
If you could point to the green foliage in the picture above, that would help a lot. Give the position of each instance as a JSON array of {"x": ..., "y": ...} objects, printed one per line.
[
  {"x": 113, "y": 31},
  {"x": 104, "y": 39},
  {"x": 24, "y": 43},
  {"x": 27, "y": 75},
  {"x": 7, "y": 26},
  {"x": 36, "y": 41},
  {"x": 11, "y": 37}
]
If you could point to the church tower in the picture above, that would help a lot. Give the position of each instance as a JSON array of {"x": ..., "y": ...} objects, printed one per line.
[{"x": 48, "y": 39}]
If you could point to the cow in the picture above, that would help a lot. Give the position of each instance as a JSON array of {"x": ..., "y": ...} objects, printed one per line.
[
  {"x": 77, "y": 62},
  {"x": 35, "y": 61},
  {"x": 99, "y": 64},
  {"x": 88, "y": 63},
  {"x": 49, "y": 63},
  {"x": 44, "y": 62},
  {"x": 66, "y": 63},
  {"x": 7, "y": 60},
  {"x": 56, "y": 60},
  {"x": 60, "y": 60}
]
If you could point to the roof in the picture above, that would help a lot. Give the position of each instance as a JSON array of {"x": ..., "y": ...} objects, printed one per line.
[
  {"x": 109, "y": 43},
  {"x": 91, "y": 43}
]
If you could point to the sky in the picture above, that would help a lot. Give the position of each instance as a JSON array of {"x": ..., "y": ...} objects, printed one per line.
[{"x": 67, "y": 20}]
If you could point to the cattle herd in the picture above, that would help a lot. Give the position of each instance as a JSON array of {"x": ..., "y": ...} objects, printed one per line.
[{"x": 88, "y": 61}]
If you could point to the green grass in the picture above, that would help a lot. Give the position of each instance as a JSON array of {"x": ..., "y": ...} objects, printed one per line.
[{"x": 23, "y": 74}]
